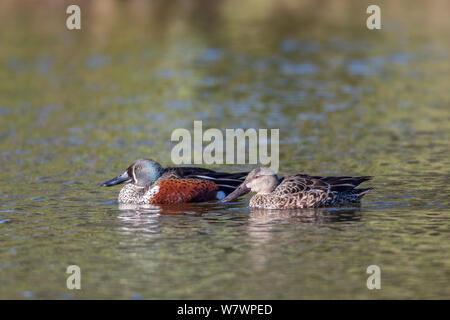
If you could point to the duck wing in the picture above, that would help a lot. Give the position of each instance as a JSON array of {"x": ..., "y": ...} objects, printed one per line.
[
  {"x": 227, "y": 182},
  {"x": 344, "y": 184},
  {"x": 302, "y": 182}
]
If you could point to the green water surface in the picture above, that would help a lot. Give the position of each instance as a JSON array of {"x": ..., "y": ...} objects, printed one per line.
[{"x": 77, "y": 107}]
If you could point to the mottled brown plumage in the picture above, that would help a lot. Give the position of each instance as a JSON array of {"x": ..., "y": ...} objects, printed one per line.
[
  {"x": 184, "y": 190},
  {"x": 299, "y": 190}
]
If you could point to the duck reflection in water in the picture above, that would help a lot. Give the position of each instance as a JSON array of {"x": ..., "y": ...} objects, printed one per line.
[{"x": 263, "y": 225}]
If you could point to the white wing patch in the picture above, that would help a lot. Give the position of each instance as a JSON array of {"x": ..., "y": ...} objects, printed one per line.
[
  {"x": 205, "y": 177},
  {"x": 151, "y": 193}
]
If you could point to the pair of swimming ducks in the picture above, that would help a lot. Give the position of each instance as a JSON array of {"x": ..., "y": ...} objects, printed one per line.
[{"x": 147, "y": 182}]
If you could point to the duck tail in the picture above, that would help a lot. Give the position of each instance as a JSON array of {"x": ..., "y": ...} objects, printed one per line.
[{"x": 361, "y": 192}]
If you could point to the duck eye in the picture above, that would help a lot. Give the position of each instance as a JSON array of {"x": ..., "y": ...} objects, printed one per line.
[{"x": 138, "y": 168}]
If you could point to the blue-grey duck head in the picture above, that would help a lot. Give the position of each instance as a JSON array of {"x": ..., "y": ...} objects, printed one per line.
[{"x": 143, "y": 172}]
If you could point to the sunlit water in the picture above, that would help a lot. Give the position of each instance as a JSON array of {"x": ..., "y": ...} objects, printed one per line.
[{"x": 77, "y": 107}]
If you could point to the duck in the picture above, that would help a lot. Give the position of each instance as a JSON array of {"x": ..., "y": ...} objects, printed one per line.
[
  {"x": 147, "y": 182},
  {"x": 298, "y": 191}
]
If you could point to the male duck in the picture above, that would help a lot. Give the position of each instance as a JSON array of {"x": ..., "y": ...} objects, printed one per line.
[
  {"x": 299, "y": 190},
  {"x": 149, "y": 183}
]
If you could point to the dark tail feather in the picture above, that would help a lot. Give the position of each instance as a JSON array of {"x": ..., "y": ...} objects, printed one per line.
[
  {"x": 345, "y": 184},
  {"x": 361, "y": 192}
]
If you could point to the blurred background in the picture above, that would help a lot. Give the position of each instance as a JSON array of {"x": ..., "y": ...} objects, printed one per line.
[{"x": 78, "y": 106}]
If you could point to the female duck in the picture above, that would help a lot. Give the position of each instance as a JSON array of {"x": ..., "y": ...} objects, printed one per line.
[{"x": 298, "y": 191}]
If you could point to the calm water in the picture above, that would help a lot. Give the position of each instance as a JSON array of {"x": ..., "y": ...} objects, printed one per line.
[{"x": 77, "y": 107}]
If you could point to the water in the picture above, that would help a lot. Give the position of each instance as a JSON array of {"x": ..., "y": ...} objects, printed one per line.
[{"x": 76, "y": 107}]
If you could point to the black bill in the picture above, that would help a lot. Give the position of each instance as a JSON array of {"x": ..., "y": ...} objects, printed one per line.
[
  {"x": 123, "y": 178},
  {"x": 239, "y": 191}
]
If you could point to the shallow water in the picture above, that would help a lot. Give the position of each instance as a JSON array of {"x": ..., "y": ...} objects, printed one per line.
[{"x": 76, "y": 107}]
